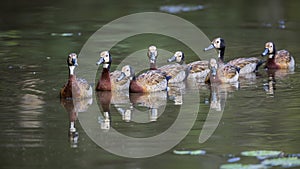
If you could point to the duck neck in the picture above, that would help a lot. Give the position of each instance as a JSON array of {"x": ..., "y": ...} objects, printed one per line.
[
  {"x": 271, "y": 62},
  {"x": 106, "y": 65},
  {"x": 71, "y": 70},
  {"x": 221, "y": 55},
  {"x": 104, "y": 83},
  {"x": 181, "y": 62},
  {"x": 153, "y": 66},
  {"x": 271, "y": 57},
  {"x": 105, "y": 73}
]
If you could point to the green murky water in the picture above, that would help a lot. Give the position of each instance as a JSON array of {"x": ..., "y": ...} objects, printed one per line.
[{"x": 35, "y": 38}]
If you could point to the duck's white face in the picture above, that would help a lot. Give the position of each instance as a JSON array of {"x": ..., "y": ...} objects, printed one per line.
[
  {"x": 105, "y": 55},
  {"x": 104, "y": 58},
  {"x": 72, "y": 59},
  {"x": 152, "y": 54},
  {"x": 218, "y": 43},
  {"x": 127, "y": 70},
  {"x": 270, "y": 47},
  {"x": 179, "y": 56}
]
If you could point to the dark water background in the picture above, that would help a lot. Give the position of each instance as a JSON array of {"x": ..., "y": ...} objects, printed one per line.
[{"x": 36, "y": 36}]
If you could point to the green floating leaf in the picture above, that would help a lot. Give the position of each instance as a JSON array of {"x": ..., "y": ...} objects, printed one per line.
[
  {"x": 284, "y": 162},
  {"x": 189, "y": 152},
  {"x": 241, "y": 166},
  {"x": 261, "y": 154}
]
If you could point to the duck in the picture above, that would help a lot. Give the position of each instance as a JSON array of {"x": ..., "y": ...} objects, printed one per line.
[
  {"x": 108, "y": 80},
  {"x": 75, "y": 87},
  {"x": 150, "y": 81},
  {"x": 278, "y": 59},
  {"x": 222, "y": 73},
  {"x": 196, "y": 71},
  {"x": 177, "y": 71},
  {"x": 246, "y": 65}
]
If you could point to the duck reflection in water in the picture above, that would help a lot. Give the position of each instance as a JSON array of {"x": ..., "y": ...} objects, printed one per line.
[
  {"x": 120, "y": 100},
  {"x": 109, "y": 99},
  {"x": 73, "y": 107},
  {"x": 273, "y": 74},
  {"x": 175, "y": 92},
  {"x": 218, "y": 96},
  {"x": 104, "y": 100},
  {"x": 154, "y": 103},
  {"x": 269, "y": 87}
]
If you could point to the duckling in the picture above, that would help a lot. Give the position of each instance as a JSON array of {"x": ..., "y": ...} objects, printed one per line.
[
  {"x": 278, "y": 59},
  {"x": 197, "y": 70},
  {"x": 177, "y": 71},
  {"x": 222, "y": 73},
  {"x": 75, "y": 87},
  {"x": 150, "y": 81},
  {"x": 246, "y": 65},
  {"x": 108, "y": 80}
]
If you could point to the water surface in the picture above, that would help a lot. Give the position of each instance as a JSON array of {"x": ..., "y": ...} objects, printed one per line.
[{"x": 36, "y": 37}]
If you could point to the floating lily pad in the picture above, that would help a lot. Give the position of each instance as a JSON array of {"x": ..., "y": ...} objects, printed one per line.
[
  {"x": 233, "y": 159},
  {"x": 241, "y": 166},
  {"x": 262, "y": 154},
  {"x": 283, "y": 162},
  {"x": 189, "y": 152},
  {"x": 180, "y": 8}
]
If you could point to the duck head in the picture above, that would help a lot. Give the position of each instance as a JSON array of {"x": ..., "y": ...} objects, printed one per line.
[
  {"x": 152, "y": 54},
  {"x": 219, "y": 44},
  {"x": 269, "y": 49},
  {"x": 178, "y": 57},
  {"x": 72, "y": 62},
  {"x": 72, "y": 59},
  {"x": 105, "y": 59},
  {"x": 127, "y": 71}
]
